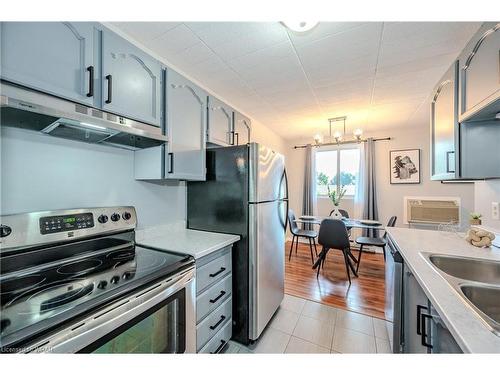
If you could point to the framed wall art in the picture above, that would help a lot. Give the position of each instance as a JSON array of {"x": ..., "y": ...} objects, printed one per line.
[{"x": 405, "y": 166}]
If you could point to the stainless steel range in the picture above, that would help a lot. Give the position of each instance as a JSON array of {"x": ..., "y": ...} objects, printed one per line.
[{"x": 74, "y": 281}]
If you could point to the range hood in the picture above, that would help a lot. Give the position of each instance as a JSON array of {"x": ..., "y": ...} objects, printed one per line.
[{"x": 32, "y": 110}]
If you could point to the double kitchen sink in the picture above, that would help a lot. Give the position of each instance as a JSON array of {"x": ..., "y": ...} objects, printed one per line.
[{"x": 477, "y": 281}]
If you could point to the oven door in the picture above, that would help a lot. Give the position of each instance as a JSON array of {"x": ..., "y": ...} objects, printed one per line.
[{"x": 158, "y": 319}]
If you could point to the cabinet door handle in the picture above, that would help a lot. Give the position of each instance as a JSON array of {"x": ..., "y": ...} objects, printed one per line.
[
  {"x": 222, "y": 293},
  {"x": 222, "y": 269},
  {"x": 222, "y": 318},
  {"x": 171, "y": 162},
  {"x": 109, "y": 78},
  {"x": 237, "y": 138},
  {"x": 219, "y": 348},
  {"x": 90, "y": 69},
  {"x": 419, "y": 318},
  {"x": 424, "y": 335}
]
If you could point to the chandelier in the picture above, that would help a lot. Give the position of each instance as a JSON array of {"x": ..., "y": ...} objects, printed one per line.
[{"x": 338, "y": 136}]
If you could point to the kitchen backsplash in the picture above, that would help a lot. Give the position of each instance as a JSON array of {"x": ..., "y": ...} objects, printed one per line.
[{"x": 40, "y": 172}]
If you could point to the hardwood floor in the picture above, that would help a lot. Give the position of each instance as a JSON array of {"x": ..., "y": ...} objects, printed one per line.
[{"x": 366, "y": 295}]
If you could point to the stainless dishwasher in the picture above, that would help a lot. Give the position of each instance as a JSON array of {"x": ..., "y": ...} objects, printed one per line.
[{"x": 396, "y": 291}]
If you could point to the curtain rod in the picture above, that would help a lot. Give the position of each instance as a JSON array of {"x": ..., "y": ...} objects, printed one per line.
[{"x": 343, "y": 142}]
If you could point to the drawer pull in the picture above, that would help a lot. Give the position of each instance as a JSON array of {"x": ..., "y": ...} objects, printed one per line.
[
  {"x": 222, "y": 269},
  {"x": 219, "y": 348},
  {"x": 222, "y": 318},
  {"x": 218, "y": 297}
]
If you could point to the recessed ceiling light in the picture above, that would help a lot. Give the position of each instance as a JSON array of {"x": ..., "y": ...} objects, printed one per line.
[{"x": 301, "y": 26}]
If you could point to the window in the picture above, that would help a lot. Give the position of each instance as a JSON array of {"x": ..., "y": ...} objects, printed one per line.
[{"x": 335, "y": 168}]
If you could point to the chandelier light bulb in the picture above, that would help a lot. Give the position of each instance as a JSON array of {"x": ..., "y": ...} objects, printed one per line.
[
  {"x": 357, "y": 134},
  {"x": 318, "y": 138},
  {"x": 338, "y": 136}
]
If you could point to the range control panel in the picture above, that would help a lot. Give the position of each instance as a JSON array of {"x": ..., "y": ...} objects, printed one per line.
[
  {"x": 44, "y": 227},
  {"x": 55, "y": 224}
]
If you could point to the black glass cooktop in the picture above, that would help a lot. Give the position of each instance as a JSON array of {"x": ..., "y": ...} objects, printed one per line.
[{"x": 54, "y": 284}]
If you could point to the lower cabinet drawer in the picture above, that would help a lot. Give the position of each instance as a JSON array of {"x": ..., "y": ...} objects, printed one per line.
[
  {"x": 212, "y": 298},
  {"x": 213, "y": 323},
  {"x": 219, "y": 340},
  {"x": 213, "y": 271}
]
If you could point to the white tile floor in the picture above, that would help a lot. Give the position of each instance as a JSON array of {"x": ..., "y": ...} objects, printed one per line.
[{"x": 302, "y": 326}]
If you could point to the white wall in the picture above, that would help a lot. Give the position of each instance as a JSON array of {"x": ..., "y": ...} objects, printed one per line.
[
  {"x": 41, "y": 173},
  {"x": 262, "y": 134},
  {"x": 486, "y": 192},
  {"x": 389, "y": 197}
]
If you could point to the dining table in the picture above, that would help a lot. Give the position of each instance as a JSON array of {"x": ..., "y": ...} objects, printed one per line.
[{"x": 349, "y": 223}]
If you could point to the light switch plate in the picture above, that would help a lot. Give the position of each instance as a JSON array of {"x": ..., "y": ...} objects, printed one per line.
[{"x": 495, "y": 211}]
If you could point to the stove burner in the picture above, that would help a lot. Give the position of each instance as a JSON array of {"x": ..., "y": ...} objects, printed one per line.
[
  {"x": 80, "y": 267},
  {"x": 18, "y": 284},
  {"x": 62, "y": 291},
  {"x": 66, "y": 297},
  {"x": 122, "y": 255},
  {"x": 150, "y": 261}
]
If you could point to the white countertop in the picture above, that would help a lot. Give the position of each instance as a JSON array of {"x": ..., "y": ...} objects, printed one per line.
[
  {"x": 178, "y": 239},
  {"x": 467, "y": 328}
]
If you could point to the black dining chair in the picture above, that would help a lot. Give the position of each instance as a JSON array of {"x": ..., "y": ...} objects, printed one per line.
[
  {"x": 333, "y": 235},
  {"x": 301, "y": 233},
  {"x": 345, "y": 214},
  {"x": 374, "y": 241}
]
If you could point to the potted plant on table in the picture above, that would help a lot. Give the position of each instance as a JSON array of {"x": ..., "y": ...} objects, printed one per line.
[
  {"x": 335, "y": 196},
  {"x": 475, "y": 218}
]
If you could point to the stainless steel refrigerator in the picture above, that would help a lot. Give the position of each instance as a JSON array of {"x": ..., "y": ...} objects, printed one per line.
[{"x": 246, "y": 194}]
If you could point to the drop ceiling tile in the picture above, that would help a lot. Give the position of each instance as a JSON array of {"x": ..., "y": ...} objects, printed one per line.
[
  {"x": 407, "y": 42},
  {"x": 277, "y": 52},
  {"x": 428, "y": 33},
  {"x": 354, "y": 87},
  {"x": 196, "y": 54},
  {"x": 144, "y": 31},
  {"x": 415, "y": 65},
  {"x": 234, "y": 39},
  {"x": 322, "y": 30},
  {"x": 173, "y": 41},
  {"x": 216, "y": 33},
  {"x": 341, "y": 72},
  {"x": 407, "y": 84},
  {"x": 349, "y": 46}
]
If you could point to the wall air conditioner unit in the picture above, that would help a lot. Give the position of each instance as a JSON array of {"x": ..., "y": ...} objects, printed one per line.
[{"x": 432, "y": 210}]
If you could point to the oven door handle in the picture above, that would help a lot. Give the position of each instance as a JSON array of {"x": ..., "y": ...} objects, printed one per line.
[{"x": 84, "y": 332}]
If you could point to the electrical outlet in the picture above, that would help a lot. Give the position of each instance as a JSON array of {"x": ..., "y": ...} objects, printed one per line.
[{"x": 495, "y": 211}]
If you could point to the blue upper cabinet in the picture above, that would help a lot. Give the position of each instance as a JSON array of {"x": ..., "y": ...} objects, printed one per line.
[
  {"x": 242, "y": 129},
  {"x": 54, "y": 57},
  {"x": 186, "y": 109},
  {"x": 444, "y": 126},
  {"x": 220, "y": 122},
  {"x": 131, "y": 80},
  {"x": 480, "y": 74}
]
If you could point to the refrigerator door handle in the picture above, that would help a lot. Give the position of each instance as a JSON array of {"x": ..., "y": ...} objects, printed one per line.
[{"x": 285, "y": 177}]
